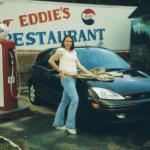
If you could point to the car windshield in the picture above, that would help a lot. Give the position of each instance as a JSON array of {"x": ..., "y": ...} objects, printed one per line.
[{"x": 103, "y": 58}]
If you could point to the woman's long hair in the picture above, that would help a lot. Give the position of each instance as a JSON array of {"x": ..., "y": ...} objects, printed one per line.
[{"x": 63, "y": 45}]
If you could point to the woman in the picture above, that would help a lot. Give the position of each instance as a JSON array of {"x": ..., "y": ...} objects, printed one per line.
[{"x": 68, "y": 64}]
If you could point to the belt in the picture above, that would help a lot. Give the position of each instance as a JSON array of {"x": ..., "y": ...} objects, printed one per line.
[{"x": 73, "y": 76}]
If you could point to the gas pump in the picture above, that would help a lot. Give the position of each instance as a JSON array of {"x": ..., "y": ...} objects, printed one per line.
[
  {"x": 8, "y": 82},
  {"x": 9, "y": 107}
]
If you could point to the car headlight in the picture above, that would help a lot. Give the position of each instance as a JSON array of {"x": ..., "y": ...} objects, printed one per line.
[{"x": 102, "y": 93}]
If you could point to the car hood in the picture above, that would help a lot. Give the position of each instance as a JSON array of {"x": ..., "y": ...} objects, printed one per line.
[{"x": 128, "y": 84}]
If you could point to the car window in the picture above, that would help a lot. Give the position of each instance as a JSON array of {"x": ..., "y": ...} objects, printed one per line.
[{"x": 97, "y": 57}]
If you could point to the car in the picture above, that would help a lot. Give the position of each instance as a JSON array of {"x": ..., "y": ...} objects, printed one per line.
[{"x": 120, "y": 98}]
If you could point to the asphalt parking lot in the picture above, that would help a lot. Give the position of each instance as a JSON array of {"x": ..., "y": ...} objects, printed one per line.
[{"x": 35, "y": 132}]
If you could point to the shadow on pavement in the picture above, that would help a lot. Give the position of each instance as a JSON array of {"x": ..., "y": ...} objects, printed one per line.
[{"x": 36, "y": 133}]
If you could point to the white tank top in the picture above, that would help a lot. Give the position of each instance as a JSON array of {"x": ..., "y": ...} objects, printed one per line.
[{"x": 68, "y": 61}]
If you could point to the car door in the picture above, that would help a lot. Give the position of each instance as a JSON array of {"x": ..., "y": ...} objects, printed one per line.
[
  {"x": 50, "y": 86},
  {"x": 54, "y": 86}
]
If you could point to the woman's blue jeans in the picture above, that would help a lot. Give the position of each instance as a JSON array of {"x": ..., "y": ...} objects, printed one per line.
[{"x": 70, "y": 97}]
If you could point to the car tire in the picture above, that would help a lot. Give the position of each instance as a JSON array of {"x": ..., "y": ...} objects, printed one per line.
[{"x": 33, "y": 95}]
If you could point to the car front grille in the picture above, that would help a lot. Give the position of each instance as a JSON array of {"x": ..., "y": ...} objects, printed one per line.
[{"x": 139, "y": 96}]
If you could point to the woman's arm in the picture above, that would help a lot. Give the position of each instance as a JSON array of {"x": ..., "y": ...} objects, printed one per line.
[
  {"x": 52, "y": 60},
  {"x": 82, "y": 68}
]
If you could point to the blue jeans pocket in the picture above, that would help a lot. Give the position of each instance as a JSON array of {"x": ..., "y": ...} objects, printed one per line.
[{"x": 66, "y": 79}]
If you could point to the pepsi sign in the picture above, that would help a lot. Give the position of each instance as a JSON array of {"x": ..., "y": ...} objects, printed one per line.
[{"x": 88, "y": 16}]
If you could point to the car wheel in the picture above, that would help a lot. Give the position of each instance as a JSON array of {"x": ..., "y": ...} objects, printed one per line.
[{"x": 33, "y": 95}]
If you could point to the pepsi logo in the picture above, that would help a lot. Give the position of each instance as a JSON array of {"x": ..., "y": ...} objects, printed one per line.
[{"x": 88, "y": 16}]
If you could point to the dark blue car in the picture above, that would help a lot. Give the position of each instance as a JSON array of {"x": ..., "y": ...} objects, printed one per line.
[{"x": 124, "y": 98}]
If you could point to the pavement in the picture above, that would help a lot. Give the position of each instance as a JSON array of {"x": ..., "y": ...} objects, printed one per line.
[
  {"x": 25, "y": 125},
  {"x": 35, "y": 132}
]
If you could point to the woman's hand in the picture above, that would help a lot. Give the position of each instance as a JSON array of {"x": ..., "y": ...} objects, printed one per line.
[{"x": 62, "y": 74}]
